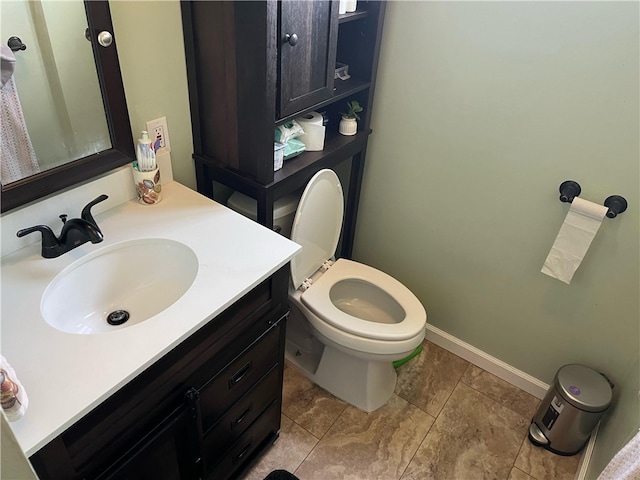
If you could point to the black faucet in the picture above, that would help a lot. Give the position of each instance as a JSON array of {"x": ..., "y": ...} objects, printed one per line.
[{"x": 74, "y": 232}]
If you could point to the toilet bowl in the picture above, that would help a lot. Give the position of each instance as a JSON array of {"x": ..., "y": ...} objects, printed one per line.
[{"x": 349, "y": 322}]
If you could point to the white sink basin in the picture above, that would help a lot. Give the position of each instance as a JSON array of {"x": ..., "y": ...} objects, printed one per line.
[{"x": 130, "y": 281}]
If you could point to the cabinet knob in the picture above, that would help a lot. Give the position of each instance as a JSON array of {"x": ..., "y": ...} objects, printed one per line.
[
  {"x": 291, "y": 39},
  {"x": 105, "y": 38}
]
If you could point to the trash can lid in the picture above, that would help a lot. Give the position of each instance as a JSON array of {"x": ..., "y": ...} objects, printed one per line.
[{"x": 584, "y": 388}]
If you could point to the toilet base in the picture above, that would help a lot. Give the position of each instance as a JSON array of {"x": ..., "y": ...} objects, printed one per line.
[
  {"x": 366, "y": 381},
  {"x": 365, "y": 384}
]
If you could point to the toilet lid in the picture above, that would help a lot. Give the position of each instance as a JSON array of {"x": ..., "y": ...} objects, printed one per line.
[{"x": 317, "y": 224}]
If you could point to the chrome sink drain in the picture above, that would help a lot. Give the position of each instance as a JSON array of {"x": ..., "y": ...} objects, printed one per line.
[{"x": 117, "y": 317}]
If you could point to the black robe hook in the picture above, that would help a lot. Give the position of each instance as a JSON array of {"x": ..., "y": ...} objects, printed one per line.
[{"x": 15, "y": 44}]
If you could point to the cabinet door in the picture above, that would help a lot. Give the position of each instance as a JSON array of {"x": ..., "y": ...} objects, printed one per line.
[
  {"x": 157, "y": 456},
  {"x": 309, "y": 37},
  {"x": 163, "y": 453}
]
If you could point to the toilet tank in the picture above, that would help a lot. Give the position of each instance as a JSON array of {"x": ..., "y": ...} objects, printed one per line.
[{"x": 284, "y": 210}]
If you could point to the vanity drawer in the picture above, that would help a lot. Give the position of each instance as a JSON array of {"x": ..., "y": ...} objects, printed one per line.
[
  {"x": 242, "y": 414},
  {"x": 239, "y": 376},
  {"x": 262, "y": 433}
]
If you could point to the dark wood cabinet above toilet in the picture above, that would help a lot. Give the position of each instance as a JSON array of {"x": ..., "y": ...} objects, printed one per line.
[{"x": 254, "y": 65}]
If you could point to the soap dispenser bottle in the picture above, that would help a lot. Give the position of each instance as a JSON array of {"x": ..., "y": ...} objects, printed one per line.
[{"x": 145, "y": 154}]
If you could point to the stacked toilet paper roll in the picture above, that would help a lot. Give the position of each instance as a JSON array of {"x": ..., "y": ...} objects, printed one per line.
[
  {"x": 314, "y": 131},
  {"x": 574, "y": 238}
]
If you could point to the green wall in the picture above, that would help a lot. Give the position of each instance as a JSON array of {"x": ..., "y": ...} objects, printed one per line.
[
  {"x": 151, "y": 53},
  {"x": 475, "y": 126},
  {"x": 482, "y": 109}
]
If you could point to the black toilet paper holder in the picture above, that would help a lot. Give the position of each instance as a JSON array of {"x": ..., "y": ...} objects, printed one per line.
[{"x": 569, "y": 189}]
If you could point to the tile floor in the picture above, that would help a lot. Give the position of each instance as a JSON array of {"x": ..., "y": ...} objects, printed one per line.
[{"x": 447, "y": 420}]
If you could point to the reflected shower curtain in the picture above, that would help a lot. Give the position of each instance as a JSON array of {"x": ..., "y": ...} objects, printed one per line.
[{"x": 18, "y": 158}]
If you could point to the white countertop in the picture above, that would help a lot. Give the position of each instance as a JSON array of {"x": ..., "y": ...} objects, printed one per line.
[{"x": 67, "y": 375}]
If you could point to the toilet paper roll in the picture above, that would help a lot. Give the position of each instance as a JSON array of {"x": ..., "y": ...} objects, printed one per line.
[
  {"x": 314, "y": 131},
  {"x": 574, "y": 238}
]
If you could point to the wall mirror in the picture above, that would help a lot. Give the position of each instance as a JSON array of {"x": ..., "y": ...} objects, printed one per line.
[{"x": 65, "y": 120}]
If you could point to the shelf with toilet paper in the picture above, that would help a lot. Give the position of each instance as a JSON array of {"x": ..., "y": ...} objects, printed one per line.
[
  {"x": 569, "y": 189},
  {"x": 294, "y": 175},
  {"x": 336, "y": 147}
]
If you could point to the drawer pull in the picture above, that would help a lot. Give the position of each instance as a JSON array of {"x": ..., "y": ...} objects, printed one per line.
[
  {"x": 243, "y": 452},
  {"x": 239, "y": 375},
  {"x": 238, "y": 420}
]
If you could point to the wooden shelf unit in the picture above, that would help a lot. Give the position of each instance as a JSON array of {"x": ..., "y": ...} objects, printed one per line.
[{"x": 237, "y": 76}]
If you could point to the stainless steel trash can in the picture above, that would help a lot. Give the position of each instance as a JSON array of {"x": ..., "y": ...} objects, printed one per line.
[{"x": 570, "y": 410}]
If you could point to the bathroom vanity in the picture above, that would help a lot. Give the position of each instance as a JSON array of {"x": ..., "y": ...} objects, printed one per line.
[{"x": 192, "y": 392}]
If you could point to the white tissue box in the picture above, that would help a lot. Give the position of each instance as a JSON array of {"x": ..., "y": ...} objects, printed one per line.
[{"x": 278, "y": 156}]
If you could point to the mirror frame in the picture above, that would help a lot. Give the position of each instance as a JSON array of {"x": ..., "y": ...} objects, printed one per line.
[{"x": 122, "y": 151}]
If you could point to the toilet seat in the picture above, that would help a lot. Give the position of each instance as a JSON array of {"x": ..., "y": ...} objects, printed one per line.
[
  {"x": 317, "y": 299},
  {"x": 316, "y": 227}
]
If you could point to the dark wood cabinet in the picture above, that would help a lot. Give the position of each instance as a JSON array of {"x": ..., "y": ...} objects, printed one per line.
[
  {"x": 165, "y": 452},
  {"x": 309, "y": 36},
  {"x": 205, "y": 410},
  {"x": 245, "y": 78}
]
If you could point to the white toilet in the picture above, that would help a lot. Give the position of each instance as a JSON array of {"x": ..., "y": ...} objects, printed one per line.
[{"x": 348, "y": 321}]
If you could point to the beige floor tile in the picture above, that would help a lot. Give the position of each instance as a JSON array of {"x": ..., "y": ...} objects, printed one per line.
[
  {"x": 287, "y": 453},
  {"x": 544, "y": 465},
  {"x": 511, "y": 397},
  {"x": 474, "y": 437},
  {"x": 428, "y": 379},
  {"x": 310, "y": 406},
  {"x": 368, "y": 446},
  {"x": 480, "y": 431},
  {"x": 518, "y": 475}
]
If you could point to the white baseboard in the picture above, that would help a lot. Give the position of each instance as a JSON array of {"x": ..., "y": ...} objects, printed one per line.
[
  {"x": 581, "y": 474},
  {"x": 500, "y": 369}
]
